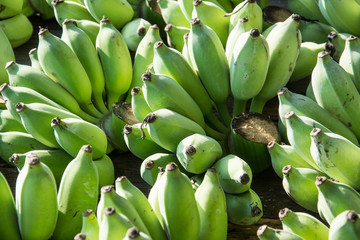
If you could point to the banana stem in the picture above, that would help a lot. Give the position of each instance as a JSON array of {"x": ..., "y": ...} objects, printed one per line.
[
  {"x": 215, "y": 122},
  {"x": 111, "y": 99},
  {"x": 224, "y": 113},
  {"x": 90, "y": 108},
  {"x": 85, "y": 116},
  {"x": 239, "y": 106},
  {"x": 213, "y": 133},
  {"x": 257, "y": 105},
  {"x": 99, "y": 103}
]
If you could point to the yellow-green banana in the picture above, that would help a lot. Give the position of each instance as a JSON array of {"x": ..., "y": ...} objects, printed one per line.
[
  {"x": 346, "y": 225},
  {"x": 134, "y": 233},
  {"x": 175, "y": 36},
  {"x": 43, "y": 8},
  {"x": 9, "y": 8},
  {"x": 249, "y": 9},
  {"x": 78, "y": 191},
  {"x": 138, "y": 104},
  {"x": 241, "y": 26},
  {"x": 134, "y": 31},
  {"x": 7, "y": 54},
  {"x": 265, "y": 232},
  {"x": 172, "y": 14},
  {"x": 90, "y": 226},
  {"x": 9, "y": 123},
  {"x": 18, "y": 29},
  {"x": 314, "y": 31},
  {"x": 307, "y": 8},
  {"x": 34, "y": 59},
  {"x": 153, "y": 196},
  {"x": 70, "y": 10},
  {"x": 338, "y": 40},
  {"x": 90, "y": 27},
  {"x": 106, "y": 170}
]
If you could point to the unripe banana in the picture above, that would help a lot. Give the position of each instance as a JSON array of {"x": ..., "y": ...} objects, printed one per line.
[
  {"x": 34, "y": 59},
  {"x": 234, "y": 174},
  {"x": 18, "y": 142},
  {"x": 307, "y": 8},
  {"x": 134, "y": 233},
  {"x": 249, "y": 9},
  {"x": 116, "y": 61},
  {"x": 338, "y": 39},
  {"x": 314, "y": 31},
  {"x": 299, "y": 184},
  {"x": 213, "y": 16},
  {"x": 345, "y": 226},
  {"x": 9, "y": 227},
  {"x": 172, "y": 14},
  {"x": 55, "y": 159},
  {"x": 7, "y": 54},
  {"x": 211, "y": 203},
  {"x": 25, "y": 76},
  {"x": 84, "y": 49},
  {"x": 110, "y": 198},
  {"x": 134, "y": 31},
  {"x": 139, "y": 104},
  {"x": 153, "y": 196},
  {"x": 9, "y": 123},
  {"x": 175, "y": 36},
  {"x": 27, "y": 10},
  {"x": 106, "y": 170},
  {"x": 336, "y": 92},
  {"x": 10, "y": 8},
  {"x": 329, "y": 151},
  {"x": 197, "y": 153},
  {"x": 43, "y": 8},
  {"x": 123, "y": 14},
  {"x": 335, "y": 197},
  {"x": 247, "y": 78},
  {"x": 304, "y": 106},
  {"x": 177, "y": 204},
  {"x": 35, "y": 194},
  {"x": 90, "y": 226},
  {"x": 140, "y": 146},
  {"x": 70, "y": 10},
  {"x": 81, "y": 236},
  {"x": 160, "y": 122},
  {"x": 241, "y": 26},
  {"x": 71, "y": 134},
  {"x": 114, "y": 224},
  {"x": 151, "y": 166},
  {"x": 208, "y": 57},
  {"x": 350, "y": 59},
  {"x": 303, "y": 224},
  {"x": 131, "y": 193},
  {"x": 90, "y": 27},
  {"x": 282, "y": 63},
  {"x": 62, "y": 65},
  {"x": 18, "y": 29},
  {"x": 244, "y": 208},
  {"x": 78, "y": 191},
  {"x": 282, "y": 155},
  {"x": 265, "y": 232}
]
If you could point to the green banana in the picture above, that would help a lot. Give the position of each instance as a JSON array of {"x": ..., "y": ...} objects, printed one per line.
[
  {"x": 303, "y": 224},
  {"x": 114, "y": 224},
  {"x": 27, "y": 10},
  {"x": 208, "y": 57},
  {"x": 335, "y": 197},
  {"x": 90, "y": 27},
  {"x": 249, "y": 9},
  {"x": 211, "y": 202},
  {"x": 55, "y": 159},
  {"x": 106, "y": 170},
  {"x": 186, "y": 7},
  {"x": 84, "y": 49},
  {"x": 338, "y": 40},
  {"x": 134, "y": 31},
  {"x": 335, "y": 91},
  {"x": 241, "y": 26},
  {"x": 282, "y": 63},
  {"x": 282, "y": 155},
  {"x": 70, "y": 10},
  {"x": 350, "y": 58},
  {"x": 170, "y": 62},
  {"x": 8, "y": 123},
  {"x": 307, "y": 8},
  {"x": 78, "y": 191},
  {"x": 9, "y": 8},
  {"x": 172, "y": 14},
  {"x": 329, "y": 151},
  {"x": 299, "y": 184},
  {"x": 341, "y": 15},
  {"x": 177, "y": 205},
  {"x": 213, "y": 16},
  {"x": 90, "y": 226},
  {"x": 153, "y": 196},
  {"x": 244, "y": 208},
  {"x": 18, "y": 29},
  {"x": 140, "y": 146},
  {"x": 71, "y": 134},
  {"x": 36, "y": 118},
  {"x": 43, "y": 8},
  {"x": 235, "y": 174},
  {"x": 110, "y": 198},
  {"x": 304, "y": 106},
  {"x": 34, "y": 59},
  {"x": 314, "y": 31},
  {"x": 175, "y": 36},
  {"x": 62, "y": 65},
  {"x": 265, "y": 232},
  {"x": 35, "y": 194},
  {"x": 7, "y": 54},
  {"x": 134, "y": 233},
  {"x": 139, "y": 104},
  {"x": 18, "y": 142},
  {"x": 116, "y": 61},
  {"x": 197, "y": 153},
  {"x": 247, "y": 78},
  {"x": 345, "y": 226},
  {"x": 150, "y": 167},
  {"x": 185, "y": 51},
  {"x": 119, "y": 12},
  {"x": 161, "y": 121},
  {"x": 34, "y": 79},
  {"x": 130, "y": 192},
  {"x": 9, "y": 227}
]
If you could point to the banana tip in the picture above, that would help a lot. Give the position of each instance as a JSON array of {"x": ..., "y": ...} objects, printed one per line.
[
  {"x": 20, "y": 107},
  {"x": 146, "y": 76},
  {"x": 244, "y": 179},
  {"x": 135, "y": 91},
  {"x": 282, "y": 91},
  {"x": 14, "y": 159},
  {"x": 171, "y": 167},
  {"x": 141, "y": 31},
  {"x": 195, "y": 21},
  {"x": 261, "y": 230},
  {"x": 109, "y": 211},
  {"x": 3, "y": 86},
  {"x": 87, "y": 212},
  {"x": 352, "y": 216},
  {"x": 197, "y": 2},
  {"x": 133, "y": 233},
  {"x": 167, "y": 28},
  {"x": 320, "y": 180},
  {"x": 158, "y": 44},
  {"x": 149, "y": 164},
  {"x": 271, "y": 144},
  {"x": 9, "y": 64},
  {"x": 121, "y": 178},
  {"x": 32, "y": 159},
  {"x": 288, "y": 115},
  {"x": 190, "y": 150},
  {"x": 87, "y": 148},
  {"x": 315, "y": 132},
  {"x": 80, "y": 236},
  {"x": 107, "y": 189},
  {"x": 286, "y": 170},
  {"x": 283, "y": 213},
  {"x": 127, "y": 129},
  {"x": 255, "y": 211},
  {"x": 296, "y": 17}
]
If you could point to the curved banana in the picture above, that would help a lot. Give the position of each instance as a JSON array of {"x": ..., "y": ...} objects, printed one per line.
[
  {"x": 241, "y": 26},
  {"x": 90, "y": 27},
  {"x": 90, "y": 226},
  {"x": 346, "y": 225},
  {"x": 307, "y": 8},
  {"x": 9, "y": 8},
  {"x": 175, "y": 36},
  {"x": 18, "y": 29},
  {"x": 116, "y": 61},
  {"x": 211, "y": 202},
  {"x": 338, "y": 40},
  {"x": 34, "y": 59},
  {"x": 249, "y": 9},
  {"x": 70, "y": 10},
  {"x": 78, "y": 191},
  {"x": 35, "y": 194},
  {"x": 138, "y": 104},
  {"x": 153, "y": 196},
  {"x": 134, "y": 31},
  {"x": 314, "y": 31},
  {"x": 106, "y": 170},
  {"x": 43, "y": 8},
  {"x": 134, "y": 233},
  {"x": 71, "y": 134},
  {"x": 265, "y": 232},
  {"x": 7, "y": 54},
  {"x": 9, "y": 123},
  {"x": 172, "y": 14},
  {"x": 27, "y": 10}
]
